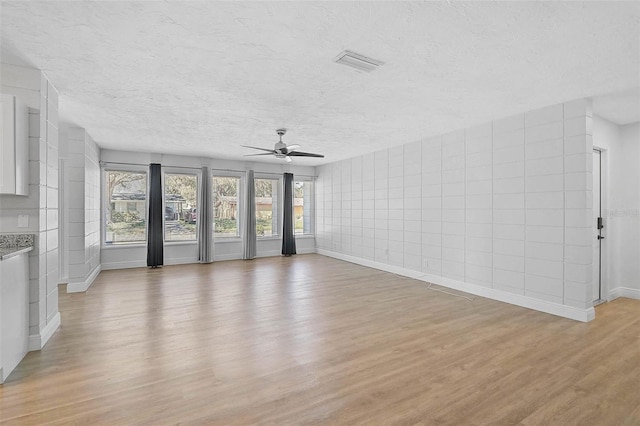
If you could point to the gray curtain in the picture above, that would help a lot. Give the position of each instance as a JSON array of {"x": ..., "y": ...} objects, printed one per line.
[
  {"x": 288, "y": 238},
  {"x": 155, "y": 247},
  {"x": 205, "y": 219},
  {"x": 249, "y": 236}
]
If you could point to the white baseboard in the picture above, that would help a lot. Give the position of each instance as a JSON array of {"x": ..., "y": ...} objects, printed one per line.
[
  {"x": 269, "y": 253},
  {"x": 37, "y": 341},
  {"x": 82, "y": 286},
  {"x": 223, "y": 257},
  {"x": 565, "y": 311},
  {"x": 630, "y": 293},
  {"x": 129, "y": 264},
  {"x": 181, "y": 261},
  {"x": 188, "y": 260},
  {"x": 125, "y": 265},
  {"x": 306, "y": 250}
]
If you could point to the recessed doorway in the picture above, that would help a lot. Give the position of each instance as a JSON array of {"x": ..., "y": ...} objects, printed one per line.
[{"x": 597, "y": 292}]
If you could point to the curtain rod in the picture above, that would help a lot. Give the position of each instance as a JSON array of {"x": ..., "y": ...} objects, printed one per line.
[{"x": 102, "y": 163}]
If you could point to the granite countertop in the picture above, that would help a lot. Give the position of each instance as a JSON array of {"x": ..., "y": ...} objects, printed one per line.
[
  {"x": 8, "y": 253},
  {"x": 14, "y": 244}
]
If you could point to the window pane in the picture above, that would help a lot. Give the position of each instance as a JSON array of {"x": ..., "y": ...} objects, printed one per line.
[
  {"x": 180, "y": 207},
  {"x": 225, "y": 206},
  {"x": 302, "y": 192},
  {"x": 126, "y": 207},
  {"x": 266, "y": 207}
]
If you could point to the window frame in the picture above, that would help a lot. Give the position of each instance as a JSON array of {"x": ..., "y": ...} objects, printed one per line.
[
  {"x": 179, "y": 171},
  {"x": 241, "y": 204},
  {"x": 312, "y": 210},
  {"x": 105, "y": 205},
  {"x": 278, "y": 205}
]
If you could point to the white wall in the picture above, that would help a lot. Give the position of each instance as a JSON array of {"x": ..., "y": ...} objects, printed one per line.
[
  {"x": 627, "y": 213},
  {"x": 83, "y": 209},
  {"x": 502, "y": 209},
  {"x": 621, "y": 145},
  {"x": 132, "y": 256},
  {"x": 41, "y": 205}
]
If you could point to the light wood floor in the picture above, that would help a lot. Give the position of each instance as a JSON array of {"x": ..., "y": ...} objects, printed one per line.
[{"x": 313, "y": 340}]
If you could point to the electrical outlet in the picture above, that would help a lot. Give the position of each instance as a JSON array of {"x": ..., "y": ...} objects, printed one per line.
[
  {"x": 425, "y": 263},
  {"x": 23, "y": 221}
]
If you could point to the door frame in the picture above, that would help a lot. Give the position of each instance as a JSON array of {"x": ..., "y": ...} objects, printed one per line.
[{"x": 604, "y": 243}]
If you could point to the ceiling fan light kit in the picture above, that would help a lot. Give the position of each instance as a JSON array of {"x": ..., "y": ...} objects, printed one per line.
[{"x": 282, "y": 150}]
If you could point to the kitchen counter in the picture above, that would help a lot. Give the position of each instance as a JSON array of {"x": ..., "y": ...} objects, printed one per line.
[
  {"x": 14, "y": 308},
  {"x": 15, "y": 244},
  {"x": 14, "y": 300},
  {"x": 8, "y": 253}
]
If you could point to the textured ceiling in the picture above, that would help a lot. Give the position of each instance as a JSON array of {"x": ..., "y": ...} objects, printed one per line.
[
  {"x": 620, "y": 107},
  {"x": 203, "y": 78}
]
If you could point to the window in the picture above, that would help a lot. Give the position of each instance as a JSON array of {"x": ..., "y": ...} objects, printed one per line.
[
  {"x": 180, "y": 207},
  {"x": 302, "y": 196},
  {"x": 225, "y": 206},
  {"x": 267, "y": 207},
  {"x": 126, "y": 215}
]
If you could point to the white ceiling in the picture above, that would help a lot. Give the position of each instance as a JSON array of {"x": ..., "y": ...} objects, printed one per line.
[
  {"x": 203, "y": 78},
  {"x": 620, "y": 107}
]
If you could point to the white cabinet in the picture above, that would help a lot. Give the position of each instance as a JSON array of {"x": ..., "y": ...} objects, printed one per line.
[
  {"x": 14, "y": 147},
  {"x": 14, "y": 312}
]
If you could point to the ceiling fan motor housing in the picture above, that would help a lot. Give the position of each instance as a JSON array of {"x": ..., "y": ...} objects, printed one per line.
[{"x": 280, "y": 146}]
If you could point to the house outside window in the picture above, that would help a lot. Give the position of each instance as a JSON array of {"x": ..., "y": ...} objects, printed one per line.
[
  {"x": 126, "y": 207},
  {"x": 226, "y": 191},
  {"x": 302, "y": 207},
  {"x": 267, "y": 207},
  {"x": 180, "y": 207}
]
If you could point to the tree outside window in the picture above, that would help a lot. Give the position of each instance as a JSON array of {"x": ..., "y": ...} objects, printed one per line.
[
  {"x": 266, "y": 207},
  {"x": 180, "y": 207},
  {"x": 126, "y": 207},
  {"x": 225, "y": 206},
  {"x": 302, "y": 192}
]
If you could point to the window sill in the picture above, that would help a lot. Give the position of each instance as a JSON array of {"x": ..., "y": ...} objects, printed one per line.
[
  {"x": 181, "y": 243},
  {"x": 144, "y": 245},
  {"x": 271, "y": 238},
  {"x": 123, "y": 245}
]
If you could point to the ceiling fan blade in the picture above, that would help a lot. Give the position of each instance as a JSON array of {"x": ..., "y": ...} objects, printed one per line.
[
  {"x": 255, "y": 147},
  {"x": 305, "y": 154},
  {"x": 292, "y": 147},
  {"x": 262, "y": 153},
  {"x": 288, "y": 159}
]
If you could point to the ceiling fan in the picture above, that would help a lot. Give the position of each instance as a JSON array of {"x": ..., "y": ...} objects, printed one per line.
[{"x": 282, "y": 150}]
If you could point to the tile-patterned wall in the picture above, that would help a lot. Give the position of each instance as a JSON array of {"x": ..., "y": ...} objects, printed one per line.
[
  {"x": 41, "y": 205},
  {"x": 84, "y": 205},
  {"x": 506, "y": 205}
]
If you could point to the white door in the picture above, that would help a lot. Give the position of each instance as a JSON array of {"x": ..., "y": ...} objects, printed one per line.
[{"x": 596, "y": 294}]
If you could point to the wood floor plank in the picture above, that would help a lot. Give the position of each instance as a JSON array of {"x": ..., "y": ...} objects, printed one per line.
[{"x": 314, "y": 340}]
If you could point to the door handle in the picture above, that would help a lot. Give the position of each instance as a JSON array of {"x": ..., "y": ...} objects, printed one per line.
[{"x": 600, "y": 237}]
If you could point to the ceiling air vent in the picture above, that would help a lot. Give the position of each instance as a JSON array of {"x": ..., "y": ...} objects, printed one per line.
[{"x": 357, "y": 61}]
